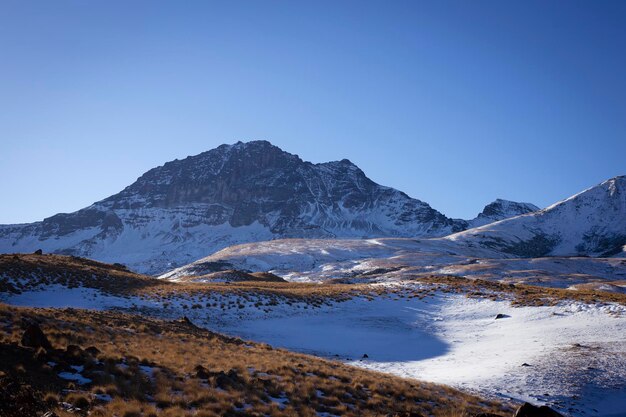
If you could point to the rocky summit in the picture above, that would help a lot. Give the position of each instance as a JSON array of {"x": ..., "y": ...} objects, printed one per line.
[
  {"x": 590, "y": 223},
  {"x": 501, "y": 209},
  {"x": 245, "y": 192},
  {"x": 233, "y": 194}
]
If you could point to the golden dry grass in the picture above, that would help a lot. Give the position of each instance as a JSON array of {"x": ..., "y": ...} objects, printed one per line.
[
  {"x": 36, "y": 270},
  {"x": 30, "y": 270},
  {"x": 197, "y": 372},
  {"x": 237, "y": 378},
  {"x": 519, "y": 294}
]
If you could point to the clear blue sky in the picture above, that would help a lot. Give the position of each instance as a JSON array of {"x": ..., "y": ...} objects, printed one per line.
[{"x": 455, "y": 103}]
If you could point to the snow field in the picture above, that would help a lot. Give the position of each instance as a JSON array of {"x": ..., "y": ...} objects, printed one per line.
[{"x": 571, "y": 356}]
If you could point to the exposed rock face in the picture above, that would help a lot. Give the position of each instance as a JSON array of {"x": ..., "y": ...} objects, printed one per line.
[
  {"x": 233, "y": 194},
  {"x": 590, "y": 223},
  {"x": 257, "y": 182}
]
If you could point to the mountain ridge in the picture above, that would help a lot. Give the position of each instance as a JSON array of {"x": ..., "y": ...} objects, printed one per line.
[
  {"x": 589, "y": 223},
  {"x": 244, "y": 192},
  {"x": 501, "y": 209}
]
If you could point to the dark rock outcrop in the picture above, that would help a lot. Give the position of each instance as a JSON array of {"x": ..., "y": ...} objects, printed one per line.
[
  {"x": 230, "y": 379},
  {"x": 74, "y": 351},
  {"x": 529, "y": 410},
  {"x": 486, "y": 415},
  {"x": 202, "y": 372},
  {"x": 92, "y": 351},
  {"x": 34, "y": 337}
]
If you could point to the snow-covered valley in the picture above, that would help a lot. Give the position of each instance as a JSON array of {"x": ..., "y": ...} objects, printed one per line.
[
  {"x": 457, "y": 341},
  {"x": 571, "y": 356}
]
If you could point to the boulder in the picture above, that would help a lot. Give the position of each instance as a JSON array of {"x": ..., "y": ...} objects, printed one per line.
[
  {"x": 92, "y": 351},
  {"x": 228, "y": 380},
  {"x": 41, "y": 355},
  {"x": 202, "y": 372},
  {"x": 185, "y": 320},
  {"x": 74, "y": 351},
  {"x": 34, "y": 337},
  {"x": 502, "y": 316},
  {"x": 529, "y": 410},
  {"x": 410, "y": 414}
]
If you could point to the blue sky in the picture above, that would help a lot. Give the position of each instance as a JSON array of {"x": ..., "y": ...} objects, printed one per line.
[{"x": 455, "y": 103}]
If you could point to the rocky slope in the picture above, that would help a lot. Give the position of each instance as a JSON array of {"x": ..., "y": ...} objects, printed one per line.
[
  {"x": 500, "y": 210},
  {"x": 233, "y": 194},
  {"x": 557, "y": 247},
  {"x": 590, "y": 223}
]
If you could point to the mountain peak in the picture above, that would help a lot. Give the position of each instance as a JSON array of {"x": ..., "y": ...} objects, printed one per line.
[
  {"x": 507, "y": 208},
  {"x": 590, "y": 223},
  {"x": 253, "y": 144},
  {"x": 501, "y": 209},
  {"x": 242, "y": 192}
]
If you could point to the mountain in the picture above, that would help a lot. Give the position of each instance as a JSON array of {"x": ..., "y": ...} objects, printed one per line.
[
  {"x": 591, "y": 223},
  {"x": 500, "y": 210},
  {"x": 552, "y": 246},
  {"x": 246, "y": 192}
]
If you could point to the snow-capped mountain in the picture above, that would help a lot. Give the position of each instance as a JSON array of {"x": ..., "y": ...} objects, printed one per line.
[
  {"x": 500, "y": 210},
  {"x": 591, "y": 223},
  {"x": 246, "y": 192}
]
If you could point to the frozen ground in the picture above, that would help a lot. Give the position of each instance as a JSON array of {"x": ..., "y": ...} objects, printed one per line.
[
  {"x": 576, "y": 354},
  {"x": 571, "y": 356},
  {"x": 59, "y": 296}
]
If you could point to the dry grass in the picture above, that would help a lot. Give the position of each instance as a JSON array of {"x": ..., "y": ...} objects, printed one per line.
[
  {"x": 200, "y": 373},
  {"x": 150, "y": 367},
  {"x": 233, "y": 275},
  {"x": 519, "y": 294},
  {"x": 30, "y": 271},
  {"x": 19, "y": 272}
]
